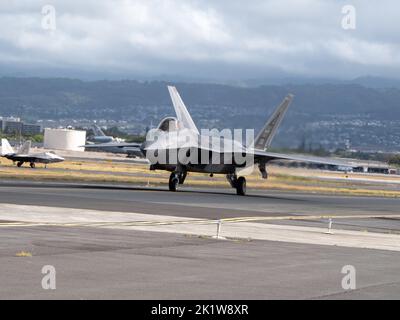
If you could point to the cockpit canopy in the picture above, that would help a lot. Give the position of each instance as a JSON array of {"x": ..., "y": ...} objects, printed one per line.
[{"x": 168, "y": 124}]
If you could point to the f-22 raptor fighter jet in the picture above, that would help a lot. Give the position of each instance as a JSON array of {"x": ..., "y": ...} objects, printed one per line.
[
  {"x": 24, "y": 155},
  {"x": 179, "y": 147}
]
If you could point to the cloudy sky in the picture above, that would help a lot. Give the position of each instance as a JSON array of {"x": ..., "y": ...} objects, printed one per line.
[{"x": 209, "y": 39}]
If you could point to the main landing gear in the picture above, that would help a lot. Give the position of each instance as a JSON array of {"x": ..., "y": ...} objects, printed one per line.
[
  {"x": 31, "y": 164},
  {"x": 175, "y": 179},
  {"x": 238, "y": 183},
  {"x": 178, "y": 177}
]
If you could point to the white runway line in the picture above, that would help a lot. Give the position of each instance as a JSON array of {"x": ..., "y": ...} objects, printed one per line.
[{"x": 241, "y": 228}]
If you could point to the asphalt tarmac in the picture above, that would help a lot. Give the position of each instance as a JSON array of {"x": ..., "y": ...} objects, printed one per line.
[
  {"x": 94, "y": 263},
  {"x": 212, "y": 203},
  {"x": 217, "y": 203}
]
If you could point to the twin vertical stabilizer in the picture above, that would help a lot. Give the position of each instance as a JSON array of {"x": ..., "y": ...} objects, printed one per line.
[{"x": 264, "y": 138}]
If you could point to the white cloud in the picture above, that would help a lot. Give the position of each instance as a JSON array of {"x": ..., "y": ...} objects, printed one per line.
[{"x": 211, "y": 38}]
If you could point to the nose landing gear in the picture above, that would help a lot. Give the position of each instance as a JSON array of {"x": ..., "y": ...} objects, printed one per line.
[
  {"x": 241, "y": 186},
  {"x": 175, "y": 179},
  {"x": 173, "y": 182}
]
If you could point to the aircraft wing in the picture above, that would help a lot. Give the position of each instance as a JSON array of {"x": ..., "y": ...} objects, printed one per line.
[
  {"x": 261, "y": 156},
  {"x": 265, "y": 156}
]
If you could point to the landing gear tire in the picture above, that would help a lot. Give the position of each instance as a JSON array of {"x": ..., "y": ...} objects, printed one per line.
[
  {"x": 241, "y": 186},
  {"x": 182, "y": 177},
  {"x": 32, "y": 164},
  {"x": 173, "y": 182},
  {"x": 19, "y": 164}
]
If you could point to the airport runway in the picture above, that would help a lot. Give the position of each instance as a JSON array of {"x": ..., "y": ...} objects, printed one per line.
[
  {"x": 188, "y": 202},
  {"x": 98, "y": 263},
  {"x": 204, "y": 203}
]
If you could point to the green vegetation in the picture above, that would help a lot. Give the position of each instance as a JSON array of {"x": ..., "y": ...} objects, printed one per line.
[
  {"x": 35, "y": 138},
  {"x": 370, "y": 156},
  {"x": 319, "y": 151},
  {"x": 16, "y": 137},
  {"x": 395, "y": 160}
]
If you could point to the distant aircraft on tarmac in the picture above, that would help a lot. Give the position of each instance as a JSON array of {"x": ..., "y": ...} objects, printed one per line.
[
  {"x": 177, "y": 146},
  {"x": 100, "y": 137},
  {"x": 23, "y": 155},
  {"x": 110, "y": 144}
]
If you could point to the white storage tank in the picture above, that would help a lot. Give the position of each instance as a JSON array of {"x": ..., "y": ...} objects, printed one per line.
[{"x": 64, "y": 139}]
